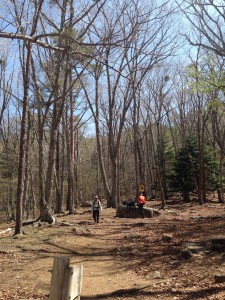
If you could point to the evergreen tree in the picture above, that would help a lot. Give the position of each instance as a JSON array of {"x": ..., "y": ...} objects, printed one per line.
[
  {"x": 186, "y": 169},
  {"x": 182, "y": 178}
]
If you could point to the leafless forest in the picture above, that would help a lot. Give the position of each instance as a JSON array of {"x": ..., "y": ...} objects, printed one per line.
[{"x": 100, "y": 97}]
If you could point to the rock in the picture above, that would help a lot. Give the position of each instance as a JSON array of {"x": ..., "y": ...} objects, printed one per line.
[
  {"x": 171, "y": 212},
  {"x": 154, "y": 275},
  {"x": 81, "y": 230},
  {"x": 135, "y": 252},
  {"x": 133, "y": 212},
  {"x": 167, "y": 237},
  {"x": 37, "y": 224},
  {"x": 175, "y": 263},
  {"x": 196, "y": 247}
]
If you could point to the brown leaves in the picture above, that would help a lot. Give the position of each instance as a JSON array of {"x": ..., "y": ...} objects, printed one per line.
[{"x": 17, "y": 293}]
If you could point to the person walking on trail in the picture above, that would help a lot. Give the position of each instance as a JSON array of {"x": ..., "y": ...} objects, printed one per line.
[
  {"x": 141, "y": 203},
  {"x": 96, "y": 208}
]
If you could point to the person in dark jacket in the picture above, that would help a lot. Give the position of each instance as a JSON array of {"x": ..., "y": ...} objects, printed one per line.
[{"x": 96, "y": 208}]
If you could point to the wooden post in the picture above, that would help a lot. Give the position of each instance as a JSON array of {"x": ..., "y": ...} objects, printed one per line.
[
  {"x": 66, "y": 280},
  {"x": 59, "y": 267},
  {"x": 73, "y": 282}
]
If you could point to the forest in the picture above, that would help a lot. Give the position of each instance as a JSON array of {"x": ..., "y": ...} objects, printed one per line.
[{"x": 100, "y": 97}]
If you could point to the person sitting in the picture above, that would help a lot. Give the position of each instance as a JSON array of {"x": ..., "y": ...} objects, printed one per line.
[{"x": 130, "y": 203}]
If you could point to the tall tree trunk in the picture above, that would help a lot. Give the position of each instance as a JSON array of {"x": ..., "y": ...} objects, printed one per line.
[
  {"x": 51, "y": 162},
  {"x": 58, "y": 204},
  {"x": 58, "y": 107},
  {"x": 62, "y": 164},
  {"x": 78, "y": 183},
  {"x": 102, "y": 166},
  {"x": 32, "y": 195},
  {"x": 26, "y": 175},
  {"x": 135, "y": 151},
  {"x": 221, "y": 194},
  {"x": 22, "y": 149},
  {"x": 71, "y": 153}
]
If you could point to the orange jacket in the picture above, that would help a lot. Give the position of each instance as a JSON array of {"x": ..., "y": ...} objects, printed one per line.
[{"x": 141, "y": 200}]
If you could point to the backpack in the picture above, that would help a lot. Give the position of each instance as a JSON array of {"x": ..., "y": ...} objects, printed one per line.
[
  {"x": 141, "y": 200},
  {"x": 96, "y": 204}
]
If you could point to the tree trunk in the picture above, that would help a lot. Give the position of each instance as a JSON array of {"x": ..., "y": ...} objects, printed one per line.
[
  {"x": 71, "y": 161},
  {"x": 51, "y": 162},
  {"x": 62, "y": 165},
  {"x": 22, "y": 150},
  {"x": 221, "y": 198},
  {"x": 58, "y": 203},
  {"x": 32, "y": 195}
]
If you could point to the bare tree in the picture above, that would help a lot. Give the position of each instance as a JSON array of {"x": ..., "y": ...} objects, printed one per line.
[
  {"x": 5, "y": 84},
  {"x": 156, "y": 108},
  {"x": 39, "y": 28},
  {"x": 207, "y": 20},
  {"x": 146, "y": 45},
  {"x": 158, "y": 41}
]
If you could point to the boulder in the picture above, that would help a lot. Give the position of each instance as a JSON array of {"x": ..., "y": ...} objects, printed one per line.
[{"x": 133, "y": 212}]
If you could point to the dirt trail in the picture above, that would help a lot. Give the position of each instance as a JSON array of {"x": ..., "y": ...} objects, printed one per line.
[
  {"x": 103, "y": 273},
  {"x": 26, "y": 261},
  {"x": 119, "y": 255}
]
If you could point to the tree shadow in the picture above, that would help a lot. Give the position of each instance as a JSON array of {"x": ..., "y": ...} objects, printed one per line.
[{"x": 145, "y": 292}]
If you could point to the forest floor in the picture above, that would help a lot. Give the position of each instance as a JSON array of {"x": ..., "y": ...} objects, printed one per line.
[{"x": 122, "y": 258}]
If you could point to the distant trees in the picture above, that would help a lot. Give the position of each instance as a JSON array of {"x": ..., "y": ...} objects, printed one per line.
[{"x": 8, "y": 134}]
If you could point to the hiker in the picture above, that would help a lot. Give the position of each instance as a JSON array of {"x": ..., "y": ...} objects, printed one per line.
[
  {"x": 141, "y": 203},
  {"x": 96, "y": 208},
  {"x": 128, "y": 203}
]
